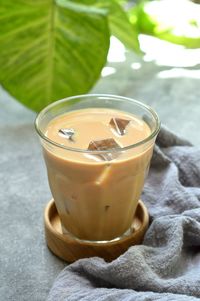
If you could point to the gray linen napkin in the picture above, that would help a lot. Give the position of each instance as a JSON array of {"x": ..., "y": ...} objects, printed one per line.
[{"x": 167, "y": 265}]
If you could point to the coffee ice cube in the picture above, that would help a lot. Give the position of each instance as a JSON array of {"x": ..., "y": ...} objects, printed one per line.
[
  {"x": 67, "y": 133},
  {"x": 102, "y": 145},
  {"x": 119, "y": 125}
]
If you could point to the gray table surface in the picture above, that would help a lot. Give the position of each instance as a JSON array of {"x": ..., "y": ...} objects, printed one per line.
[{"x": 28, "y": 268}]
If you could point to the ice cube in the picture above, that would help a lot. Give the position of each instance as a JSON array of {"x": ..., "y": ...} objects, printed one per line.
[
  {"x": 119, "y": 125},
  {"x": 67, "y": 133},
  {"x": 102, "y": 145}
]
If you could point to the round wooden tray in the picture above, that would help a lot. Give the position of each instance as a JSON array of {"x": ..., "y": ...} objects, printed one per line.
[{"x": 70, "y": 249}]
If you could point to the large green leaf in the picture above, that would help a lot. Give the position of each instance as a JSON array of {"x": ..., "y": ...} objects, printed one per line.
[{"x": 50, "y": 49}]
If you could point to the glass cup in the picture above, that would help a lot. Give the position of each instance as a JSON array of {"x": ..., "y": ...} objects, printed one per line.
[{"x": 96, "y": 201}]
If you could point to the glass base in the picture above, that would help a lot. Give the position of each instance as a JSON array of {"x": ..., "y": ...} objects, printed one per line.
[{"x": 126, "y": 234}]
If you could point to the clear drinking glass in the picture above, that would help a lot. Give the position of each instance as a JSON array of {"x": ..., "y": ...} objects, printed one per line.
[{"x": 96, "y": 201}]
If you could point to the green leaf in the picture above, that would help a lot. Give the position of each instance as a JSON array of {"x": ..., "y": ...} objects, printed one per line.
[
  {"x": 50, "y": 49},
  {"x": 121, "y": 27},
  {"x": 118, "y": 19}
]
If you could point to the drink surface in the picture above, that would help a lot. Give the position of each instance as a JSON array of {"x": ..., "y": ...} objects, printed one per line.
[
  {"x": 96, "y": 196},
  {"x": 94, "y": 125}
]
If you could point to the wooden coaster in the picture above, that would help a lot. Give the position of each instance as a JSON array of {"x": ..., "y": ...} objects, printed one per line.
[{"x": 71, "y": 249}]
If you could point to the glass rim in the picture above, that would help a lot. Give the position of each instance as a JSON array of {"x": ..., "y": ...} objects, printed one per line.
[{"x": 111, "y": 150}]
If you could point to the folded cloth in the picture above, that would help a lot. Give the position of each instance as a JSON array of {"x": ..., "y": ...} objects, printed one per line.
[{"x": 167, "y": 265}]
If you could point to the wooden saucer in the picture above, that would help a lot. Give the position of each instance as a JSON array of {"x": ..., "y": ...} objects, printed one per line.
[{"x": 71, "y": 249}]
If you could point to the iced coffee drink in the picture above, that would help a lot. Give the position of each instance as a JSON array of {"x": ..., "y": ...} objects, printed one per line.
[{"x": 96, "y": 164}]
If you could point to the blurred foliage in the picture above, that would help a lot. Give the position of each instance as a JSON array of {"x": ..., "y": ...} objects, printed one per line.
[
  {"x": 174, "y": 21},
  {"x": 53, "y": 49}
]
